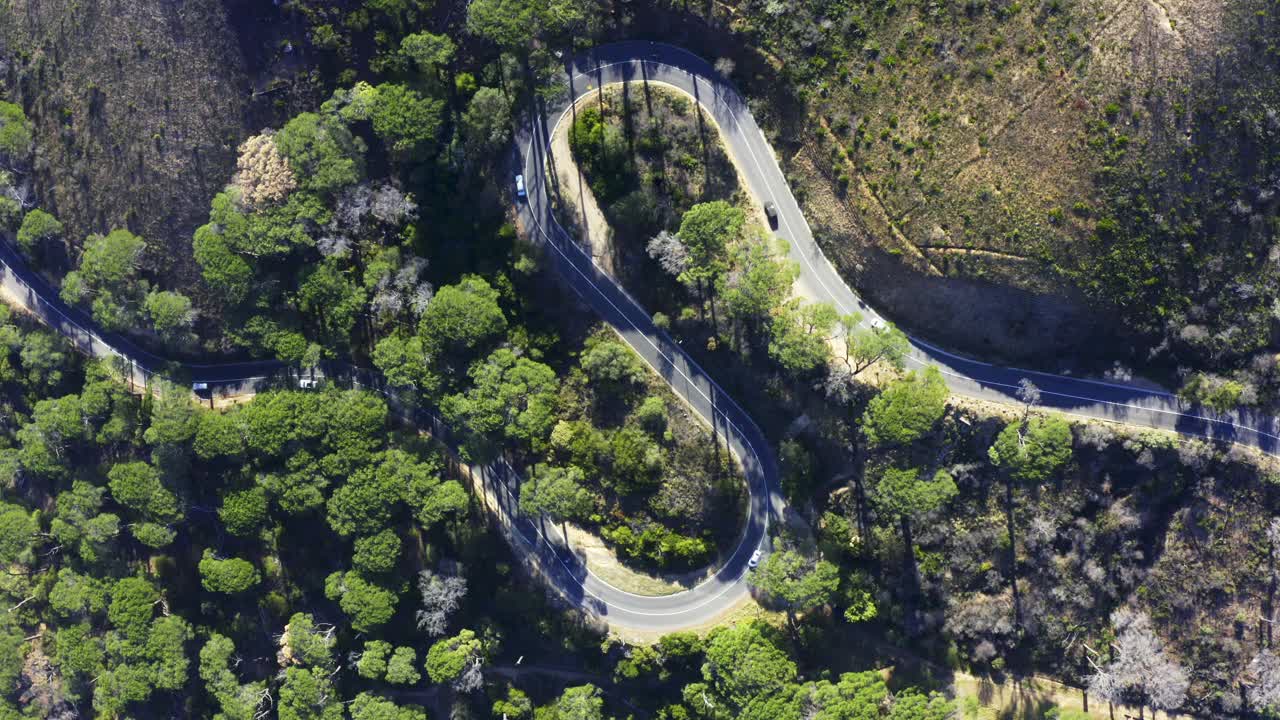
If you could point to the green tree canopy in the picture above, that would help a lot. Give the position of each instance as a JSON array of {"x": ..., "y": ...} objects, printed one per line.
[
  {"x": 907, "y": 409},
  {"x": 902, "y": 494},
  {"x": 324, "y": 155},
  {"x": 366, "y": 604},
  {"x": 308, "y": 694},
  {"x": 801, "y": 333},
  {"x": 746, "y": 661},
  {"x": 428, "y": 50},
  {"x": 707, "y": 229},
  {"x": 460, "y": 320},
  {"x": 613, "y": 366},
  {"x": 15, "y": 131},
  {"x": 400, "y": 668},
  {"x": 456, "y": 660},
  {"x": 1033, "y": 451},
  {"x": 229, "y": 576},
  {"x": 377, "y": 553},
  {"x": 133, "y": 602},
  {"x": 307, "y": 643},
  {"x": 38, "y": 227},
  {"x": 512, "y": 397},
  {"x": 368, "y": 706},
  {"x": 864, "y": 347},
  {"x": 405, "y": 120},
  {"x": 556, "y": 492},
  {"x": 372, "y": 663},
  {"x": 798, "y": 583}
]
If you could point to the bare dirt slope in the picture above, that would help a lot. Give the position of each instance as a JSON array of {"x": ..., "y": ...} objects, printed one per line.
[{"x": 138, "y": 107}]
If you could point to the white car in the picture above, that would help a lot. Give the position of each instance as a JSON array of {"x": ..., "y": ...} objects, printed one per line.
[
  {"x": 755, "y": 559},
  {"x": 520, "y": 191}
]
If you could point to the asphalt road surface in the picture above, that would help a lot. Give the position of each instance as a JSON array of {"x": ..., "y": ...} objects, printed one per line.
[
  {"x": 635, "y": 62},
  {"x": 641, "y": 62}
]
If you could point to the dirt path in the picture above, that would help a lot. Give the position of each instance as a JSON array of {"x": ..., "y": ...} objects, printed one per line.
[{"x": 579, "y": 204}]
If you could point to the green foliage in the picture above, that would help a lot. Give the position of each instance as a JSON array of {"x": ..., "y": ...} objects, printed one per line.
[
  {"x": 308, "y": 644},
  {"x": 132, "y": 606},
  {"x": 707, "y": 230},
  {"x": 556, "y": 492},
  {"x": 613, "y": 366},
  {"x": 906, "y": 410},
  {"x": 428, "y": 50},
  {"x": 108, "y": 278},
  {"x": 308, "y": 694},
  {"x": 900, "y": 493},
  {"x": 137, "y": 486},
  {"x": 38, "y": 227},
  {"x": 366, "y": 604},
  {"x": 510, "y": 396},
  {"x": 460, "y": 320},
  {"x": 602, "y": 151},
  {"x": 515, "y": 706},
  {"x": 1034, "y": 451},
  {"x": 760, "y": 286},
  {"x": 376, "y": 554},
  {"x": 332, "y": 300},
  {"x": 448, "y": 660},
  {"x": 865, "y": 347},
  {"x": 486, "y": 124},
  {"x": 663, "y": 547},
  {"x": 17, "y": 533},
  {"x": 405, "y": 120},
  {"x": 795, "y": 581},
  {"x": 400, "y": 668},
  {"x": 746, "y": 661},
  {"x": 173, "y": 416},
  {"x": 229, "y": 576},
  {"x": 372, "y": 664},
  {"x": 244, "y": 512},
  {"x": 513, "y": 24},
  {"x": 801, "y": 332},
  {"x": 171, "y": 315},
  {"x": 15, "y": 131},
  {"x": 322, "y": 152},
  {"x": 1213, "y": 392},
  {"x": 583, "y": 702},
  {"x": 367, "y": 706},
  {"x": 237, "y": 701},
  {"x": 636, "y": 461},
  {"x": 403, "y": 360}
]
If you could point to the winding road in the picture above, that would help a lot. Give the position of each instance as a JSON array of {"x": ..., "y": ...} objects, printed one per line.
[{"x": 634, "y": 62}]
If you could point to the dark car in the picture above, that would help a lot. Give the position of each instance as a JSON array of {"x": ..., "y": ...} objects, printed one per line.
[{"x": 772, "y": 211}]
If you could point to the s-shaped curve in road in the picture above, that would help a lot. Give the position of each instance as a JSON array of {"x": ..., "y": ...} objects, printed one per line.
[
  {"x": 635, "y": 62},
  {"x": 640, "y": 62}
]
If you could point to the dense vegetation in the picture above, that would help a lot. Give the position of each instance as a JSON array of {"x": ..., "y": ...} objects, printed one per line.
[{"x": 309, "y": 554}]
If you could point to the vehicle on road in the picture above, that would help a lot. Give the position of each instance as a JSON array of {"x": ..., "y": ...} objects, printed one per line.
[
  {"x": 520, "y": 191},
  {"x": 755, "y": 559},
  {"x": 771, "y": 210}
]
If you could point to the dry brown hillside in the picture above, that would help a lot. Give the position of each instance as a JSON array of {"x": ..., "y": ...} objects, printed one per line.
[
  {"x": 138, "y": 107},
  {"x": 1024, "y": 178}
]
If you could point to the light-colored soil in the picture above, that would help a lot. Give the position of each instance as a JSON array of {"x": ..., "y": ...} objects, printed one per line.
[
  {"x": 579, "y": 209},
  {"x": 604, "y": 564},
  {"x": 1029, "y": 698}
]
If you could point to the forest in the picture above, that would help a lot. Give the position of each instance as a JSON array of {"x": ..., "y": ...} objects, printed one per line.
[{"x": 328, "y": 183}]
